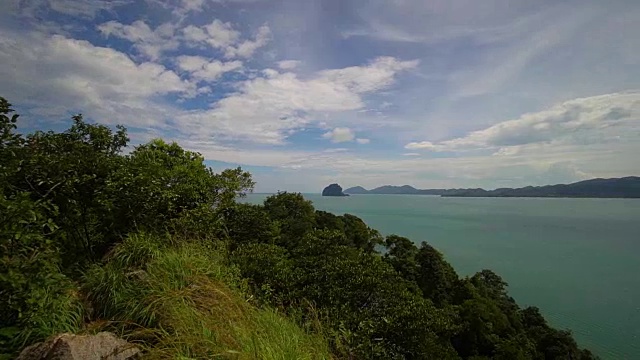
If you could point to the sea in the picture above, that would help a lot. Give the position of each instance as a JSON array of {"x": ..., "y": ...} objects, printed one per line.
[{"x": 578, "y": 260}]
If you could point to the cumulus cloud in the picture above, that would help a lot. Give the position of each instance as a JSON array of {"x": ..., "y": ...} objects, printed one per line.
[
  {"x": 151, "y": 43},
  {"x": 577, "y": 121},
  {"x": 376, "y": 76},
  {"x": 363, "y": 141},
  {"x": 222, "y": 36},
  {"x": 420, "y": 145},
  {"x": 218, "y": 34},
  {"x": 55, "y": 71},
  {"x": 246, "y": 48},
  {"x": 203, "y": 69},
  {"x": 340, "y": 134},
  {"x": 267, "y": 109}
]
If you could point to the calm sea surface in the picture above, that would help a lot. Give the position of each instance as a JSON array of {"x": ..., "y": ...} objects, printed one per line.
[{"x": 578, "y": 260}]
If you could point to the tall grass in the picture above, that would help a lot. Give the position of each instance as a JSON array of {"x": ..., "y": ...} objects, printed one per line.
[{"x": 183, "y": 301}]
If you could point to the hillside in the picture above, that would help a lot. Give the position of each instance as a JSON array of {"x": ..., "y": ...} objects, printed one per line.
[
  {"x": 626, "y": 187},
  {"x": 151, "y": 245},
  {"x": 356, "y": 190}
]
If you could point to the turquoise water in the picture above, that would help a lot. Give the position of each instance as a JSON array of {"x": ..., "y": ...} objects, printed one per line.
[{"x": 578, "y": 260}]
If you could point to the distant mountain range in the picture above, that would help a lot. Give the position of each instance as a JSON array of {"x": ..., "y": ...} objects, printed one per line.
[{"x": 626, "y": 187}]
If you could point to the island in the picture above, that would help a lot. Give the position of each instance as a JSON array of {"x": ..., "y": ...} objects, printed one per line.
[
  {"x": 626, "y": 187},
  {"x": 333, "y": 190}
]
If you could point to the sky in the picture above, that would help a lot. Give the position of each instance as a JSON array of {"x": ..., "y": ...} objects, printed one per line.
[{"x": 440, "y": 93}]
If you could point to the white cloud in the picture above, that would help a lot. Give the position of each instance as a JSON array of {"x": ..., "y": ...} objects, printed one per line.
[
  {"x": 203, "y": 69},
  {"x": 151, "y": 43},
  {"x": 336, "y": 150},
  {"x": 246, "y": 48},
  {"x": 339, "y": 134},
  {"x": 222, "y": 35},
  {"x": 268, "y": 109},
  {"x": 193, "y": 34},
  {"x": 579, "y": 121},
  {"x": 191, "y": 5},
  {"x": 379, "y": 74},
  {"x": 270, "y": 73},
  {"x": 363, "y": 141},
  {"x": 288, "y": 64},
  {"x": 420, "y": 145},
  {"x": 101, "y": 82}
]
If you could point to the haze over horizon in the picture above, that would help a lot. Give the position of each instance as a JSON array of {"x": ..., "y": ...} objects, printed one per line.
[{"x": 438, "y": 94}]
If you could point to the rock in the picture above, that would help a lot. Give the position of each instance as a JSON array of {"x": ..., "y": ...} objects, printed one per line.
[
  {"x": 102, "y": 346},
  {"x": 333, "y": 190}
]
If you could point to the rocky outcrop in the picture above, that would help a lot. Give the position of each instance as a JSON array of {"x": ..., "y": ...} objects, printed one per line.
[
  {"x": 333, "y": 190},
  {"x": 102, "y": 346}
]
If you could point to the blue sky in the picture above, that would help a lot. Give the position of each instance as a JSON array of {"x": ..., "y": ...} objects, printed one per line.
[{"x": 444, "y": 93}]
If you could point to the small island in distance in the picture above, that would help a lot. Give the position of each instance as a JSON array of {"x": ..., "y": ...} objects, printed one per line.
[
  {"x": 333, "y": 190},
  {"x": 626, "y": 187}
]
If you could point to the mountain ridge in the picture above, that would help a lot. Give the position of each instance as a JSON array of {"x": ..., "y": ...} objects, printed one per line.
[{"x": 624, "y": 187}]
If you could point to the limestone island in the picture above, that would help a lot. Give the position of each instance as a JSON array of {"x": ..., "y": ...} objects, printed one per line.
[{"x": 333, "y": 190}]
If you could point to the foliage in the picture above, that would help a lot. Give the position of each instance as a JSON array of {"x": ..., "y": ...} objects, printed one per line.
[
  {"x": 36, "y": 299},
  {"x": 357, "y": 233},
  {"x": 294, "y": 215},
  {"x": 436, "y": 277},
  {"x": 9, "y": 143},
  {"x": 246, "y": 223},
  {"x": 159, "y": 182}
]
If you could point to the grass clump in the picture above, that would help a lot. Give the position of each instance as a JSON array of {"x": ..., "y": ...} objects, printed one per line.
[{"x": 183, "y": 301}]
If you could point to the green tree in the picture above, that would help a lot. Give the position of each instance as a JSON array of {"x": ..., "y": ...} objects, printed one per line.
[
  {"x": 36, "y": 299},
  {"x": 294, "y": 215},
  {"x": 366, "y": 303},
  {"x": 491, "y": 285},
  {"x": 328, "y": 221},
  {"x": 401, "y": 255},
  {"x": 436, "y": 277},
  {"x": 160, "y": 182},
  {"x": 10, "y": 144},
  {"x": 359, "y": 234},
  {"x": 246, "y": 224},
  {"x": 483, "y": 325},
  {"x": 72, "y": 170},
  {"x": 270, "y": 271}
]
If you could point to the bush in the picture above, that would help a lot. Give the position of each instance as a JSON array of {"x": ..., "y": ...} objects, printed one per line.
[{"x": 36, "y": 299}]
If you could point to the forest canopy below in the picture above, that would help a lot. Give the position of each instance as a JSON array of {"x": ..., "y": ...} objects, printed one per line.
[{"x": 152, "y": 245}]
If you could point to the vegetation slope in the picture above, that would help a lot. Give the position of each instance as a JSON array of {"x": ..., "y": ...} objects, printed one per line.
[{"x": 153, "y": 246}]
